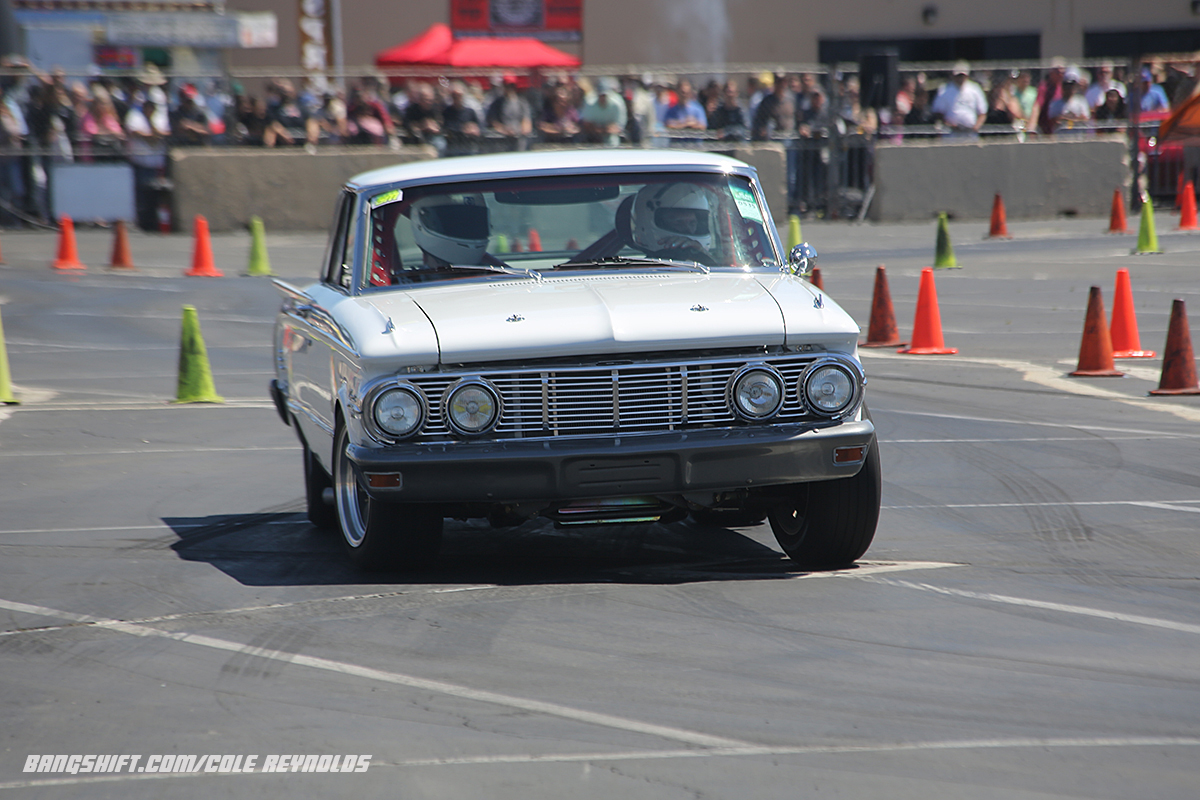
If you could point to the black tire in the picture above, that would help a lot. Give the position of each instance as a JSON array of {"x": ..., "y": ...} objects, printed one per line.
[
  {"x": 727, "y": 517},
  {"x": 377, "y": 535},
  {"x": 830, "y": 524},
  {"x": 316, "y": 480}
]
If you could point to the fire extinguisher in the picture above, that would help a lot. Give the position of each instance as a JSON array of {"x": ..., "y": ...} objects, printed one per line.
[{"x": 164, "y": 217}]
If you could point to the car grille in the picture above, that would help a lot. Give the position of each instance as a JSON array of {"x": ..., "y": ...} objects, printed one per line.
[{"x": 611, "y": 400}]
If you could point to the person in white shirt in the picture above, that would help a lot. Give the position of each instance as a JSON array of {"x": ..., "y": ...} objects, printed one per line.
[
  {"x": 1100, "y": 86},
  {"x": 961, "y": 103}
]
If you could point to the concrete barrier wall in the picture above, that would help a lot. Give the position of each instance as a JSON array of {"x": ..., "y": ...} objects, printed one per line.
[
  {"x": 289, "y": 189},
  {"x": 295, "y": 190},
  {"x": 1037, "y": 179}
]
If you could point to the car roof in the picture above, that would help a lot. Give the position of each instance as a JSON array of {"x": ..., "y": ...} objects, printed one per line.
[{"x": 532, "y": 163}]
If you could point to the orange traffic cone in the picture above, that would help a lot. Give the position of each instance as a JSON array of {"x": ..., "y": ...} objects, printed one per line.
[
  {"x": 999, "y": 229},
  {"x": 815, "y": 278},
  {"x": 1124, "y": 329},
  {"x": 121, "y": 258},
  {"x": 1096, "y": 351},
  {"x": 882, "y": 330},
  {"x": 1179, "y": 363},
  {"x": 1187, "y": 205},
  {"x": 1116, "y": 220},
  {"x": 927, "y": 327},
  {"x": 202, "y": 257},
  {"x": 68, "y": 254},
  {"x": 535, "y": 240}
]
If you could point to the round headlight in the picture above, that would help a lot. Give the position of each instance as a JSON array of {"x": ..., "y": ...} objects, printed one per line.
[
  {"x": 398, "y": 412},
  {"x": 472, "y": 408},
  {"x": 829, "y": 388},
  {"x": 757, "y": 393}
]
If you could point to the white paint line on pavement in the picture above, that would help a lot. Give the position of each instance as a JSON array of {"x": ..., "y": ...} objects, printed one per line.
[
  {"x": 1116, "y": 616},
  {"x": 1052, "y": 378},
  {"x": 104, "y": 348},
  {"x": 1026, "y": 439},
  {"x": 146, "y": 451},
  {"x": 1168, "y": 505},
  {"x": 1016, "y": 743},
  {"x": 1074, "y": 426},
  {"x": 863, "y": 570},
  {"x": 148, "y": 405},
  {"x": 401, "y": 679}
]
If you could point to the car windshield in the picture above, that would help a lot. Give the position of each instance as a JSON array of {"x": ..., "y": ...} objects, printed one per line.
[{"x": 536, "y": 226}]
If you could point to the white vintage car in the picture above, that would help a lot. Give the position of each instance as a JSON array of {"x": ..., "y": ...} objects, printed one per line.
[{"x": 592, "y": 337}]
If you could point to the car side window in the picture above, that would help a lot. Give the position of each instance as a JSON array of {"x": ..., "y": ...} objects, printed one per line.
[{"x": 339, "y": 258}]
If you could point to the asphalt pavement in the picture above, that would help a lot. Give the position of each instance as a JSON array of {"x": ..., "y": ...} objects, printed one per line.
[{"x": 1025, "y": 625}]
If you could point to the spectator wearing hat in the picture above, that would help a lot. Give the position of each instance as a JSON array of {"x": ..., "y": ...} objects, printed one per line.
[
  {"x": 1112, "y": 109},
  {"x": 1154, "y": 97},
  {"x": 148, "y": 156},
  {"x": 1071, "y": 110},
  {"x": 189, "y": 122},
  {"x": 961, "y": 104}
]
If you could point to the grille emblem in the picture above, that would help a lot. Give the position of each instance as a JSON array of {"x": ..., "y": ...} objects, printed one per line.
[
  {"x": 515, "y": 318},
  {"x": 698, "y": 307}
]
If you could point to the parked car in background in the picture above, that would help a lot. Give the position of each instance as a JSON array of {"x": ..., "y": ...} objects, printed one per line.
[{"x": 592, "y": 337}]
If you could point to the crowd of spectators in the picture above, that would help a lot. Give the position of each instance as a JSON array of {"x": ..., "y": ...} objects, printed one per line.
[{"x": 50, "y": 117}]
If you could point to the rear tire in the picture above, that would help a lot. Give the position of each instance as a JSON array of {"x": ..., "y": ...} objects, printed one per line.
[
  {"x": 377, "y": 535},
  {"x": 829, "y": 524}
]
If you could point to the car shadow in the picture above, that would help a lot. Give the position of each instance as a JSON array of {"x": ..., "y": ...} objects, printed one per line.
[{"x": 281, "y": 548}]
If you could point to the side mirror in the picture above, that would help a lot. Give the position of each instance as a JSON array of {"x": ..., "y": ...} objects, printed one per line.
[{"x": 802, "y": 259}]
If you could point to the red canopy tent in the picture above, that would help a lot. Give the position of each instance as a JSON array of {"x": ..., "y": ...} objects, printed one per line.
[{"x": 437, "y": 47}]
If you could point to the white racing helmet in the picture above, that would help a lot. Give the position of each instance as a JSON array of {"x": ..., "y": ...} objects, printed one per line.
[
  {"x": 664, "y": 212},
  {"x": 452, "y": 227}
]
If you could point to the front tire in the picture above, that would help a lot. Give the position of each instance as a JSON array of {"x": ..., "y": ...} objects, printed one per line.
[
  {"x": 830, "y": 524},
  {"x": 377, "y": 535},
  {"x": 316, "y": 481}
]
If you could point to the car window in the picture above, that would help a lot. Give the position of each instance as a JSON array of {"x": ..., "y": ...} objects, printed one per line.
[
  {"x": 552, "y": 222},
  {"x": 339, "y": 255}
]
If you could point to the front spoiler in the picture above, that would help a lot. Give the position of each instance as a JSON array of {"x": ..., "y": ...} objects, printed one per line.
[{"x": 657, "y": 464}]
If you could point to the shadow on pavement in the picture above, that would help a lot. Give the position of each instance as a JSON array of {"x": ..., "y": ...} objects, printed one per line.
[{"x": 282, "y": 548}]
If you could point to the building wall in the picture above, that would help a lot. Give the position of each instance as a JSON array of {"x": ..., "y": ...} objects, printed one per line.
[{"x": 620, "y": 32}]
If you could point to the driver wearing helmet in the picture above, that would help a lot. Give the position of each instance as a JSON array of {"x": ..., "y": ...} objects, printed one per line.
[
  {"x": 451, "y": 229},
  {"x": 671, "y": 220}
]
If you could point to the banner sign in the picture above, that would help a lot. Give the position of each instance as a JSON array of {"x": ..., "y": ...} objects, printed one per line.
[{"x": 548, "y": 20}]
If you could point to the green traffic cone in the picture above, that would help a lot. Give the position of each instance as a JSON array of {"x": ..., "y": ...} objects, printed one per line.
[
  {"x": 260, "y": 263},
  {"x": 1147, "y": 239},
  {"x": 794, "y": 236},
  {"x": 501, "y": 243},
  {"x": 6, "y": 391},
  {"x": 944, "y": 256},
  {"x": 195, "y": 378}
]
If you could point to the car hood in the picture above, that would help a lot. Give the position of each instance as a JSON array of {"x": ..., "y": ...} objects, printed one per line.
[{"x": 599, "y": 314}]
